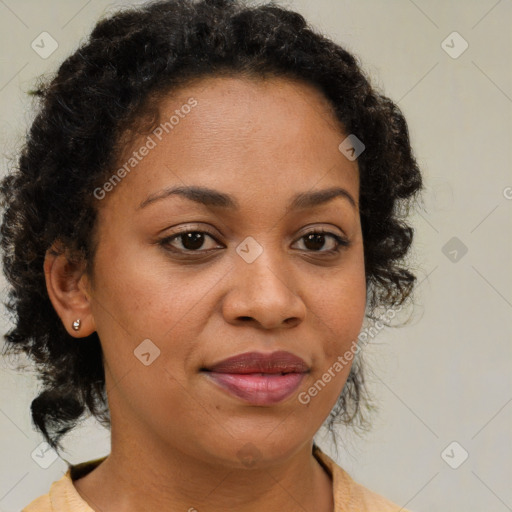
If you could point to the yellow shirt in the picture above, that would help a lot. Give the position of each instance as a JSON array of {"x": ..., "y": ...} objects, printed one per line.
[{"x": 349, "y": 496}]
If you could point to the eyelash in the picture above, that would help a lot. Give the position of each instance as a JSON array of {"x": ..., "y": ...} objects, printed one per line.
[{"x": 340, "y": 241}]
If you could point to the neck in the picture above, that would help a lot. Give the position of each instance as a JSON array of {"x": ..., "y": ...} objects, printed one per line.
[{"x": 138, "y": 476}]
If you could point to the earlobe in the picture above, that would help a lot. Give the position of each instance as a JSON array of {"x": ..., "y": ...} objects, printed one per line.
[{"x": 66, "y": 283}]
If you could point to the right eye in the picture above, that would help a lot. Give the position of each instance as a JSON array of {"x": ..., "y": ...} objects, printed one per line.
[{"x": 191, "y": 241}]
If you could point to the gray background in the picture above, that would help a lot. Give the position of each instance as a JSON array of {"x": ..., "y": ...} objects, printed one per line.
[{"x": 446, "y": 375}]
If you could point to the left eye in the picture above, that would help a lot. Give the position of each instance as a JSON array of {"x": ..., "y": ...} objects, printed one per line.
[{"x": 316, "y": 239}]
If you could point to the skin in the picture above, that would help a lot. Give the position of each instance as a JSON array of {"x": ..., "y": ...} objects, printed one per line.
[{"x": 176, "y": 436}]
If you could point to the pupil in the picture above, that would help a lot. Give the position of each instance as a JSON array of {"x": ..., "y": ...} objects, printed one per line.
[
  {"x": 316, "y": 237},
  {"x": 193, "y": 240}
]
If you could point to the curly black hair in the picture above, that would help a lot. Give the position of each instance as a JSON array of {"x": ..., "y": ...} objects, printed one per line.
[{"x": 108, "y": 86}]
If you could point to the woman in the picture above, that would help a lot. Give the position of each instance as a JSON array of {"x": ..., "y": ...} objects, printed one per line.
[{"x": 208, "y": 204}]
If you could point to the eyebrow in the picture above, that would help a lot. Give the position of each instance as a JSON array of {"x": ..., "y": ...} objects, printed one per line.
[{"x": 214, "y": 198}]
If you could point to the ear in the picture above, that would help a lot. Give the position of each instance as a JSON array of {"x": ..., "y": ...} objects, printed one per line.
[{"x": 69, "y": 291}]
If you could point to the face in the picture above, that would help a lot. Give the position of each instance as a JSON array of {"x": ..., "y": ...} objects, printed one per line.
[{"x": 205, "y": 277}]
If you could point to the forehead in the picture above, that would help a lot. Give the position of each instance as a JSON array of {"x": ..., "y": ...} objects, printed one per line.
[
  {"x": 243, "y": 104},
  {"x": 244, "y": 133}
]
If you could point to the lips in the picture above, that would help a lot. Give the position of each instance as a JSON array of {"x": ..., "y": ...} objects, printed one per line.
[
  {"x": 256, "y": 362},
  {"x": 257, "y": 378}
]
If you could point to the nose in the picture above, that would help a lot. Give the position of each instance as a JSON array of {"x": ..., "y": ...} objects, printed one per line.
[{"x": 263, "y": 293}]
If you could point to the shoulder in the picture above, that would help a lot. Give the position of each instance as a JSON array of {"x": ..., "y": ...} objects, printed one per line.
[
  {"x": 46, "y": 503},
  {"x": 63, "y": 496},
  {"x": 41, "y": 504},
  {"x": 365, "y": 499},
  {"x": 350, "y": 496}
]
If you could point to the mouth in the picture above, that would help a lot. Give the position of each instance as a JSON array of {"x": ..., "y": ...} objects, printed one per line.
[{"x": 257, "y": 378}]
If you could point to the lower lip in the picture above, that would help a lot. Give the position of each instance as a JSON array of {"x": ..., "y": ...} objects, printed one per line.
[{"x": 258, "y": 389}]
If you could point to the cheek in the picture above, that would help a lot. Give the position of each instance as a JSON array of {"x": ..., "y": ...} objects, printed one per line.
[
  {"x": 142, "y": 300},
  {"x": 339, "y": 314},
  {"x": 339, "y": 306},
  {"x": 137, "y": 298},
  {"x": 144, "y": 319}
]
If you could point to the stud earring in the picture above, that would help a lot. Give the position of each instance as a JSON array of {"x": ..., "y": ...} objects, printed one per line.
[{"x": 76, "y": 324}]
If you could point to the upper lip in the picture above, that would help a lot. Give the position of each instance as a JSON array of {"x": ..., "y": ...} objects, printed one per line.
[{"x": 257, "y": 362}]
